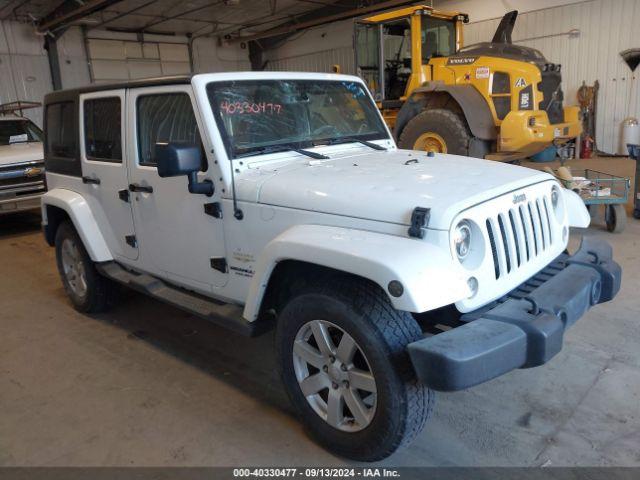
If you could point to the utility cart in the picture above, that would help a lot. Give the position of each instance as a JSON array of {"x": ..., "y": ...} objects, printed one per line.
[{"x": 599, "y": 188}]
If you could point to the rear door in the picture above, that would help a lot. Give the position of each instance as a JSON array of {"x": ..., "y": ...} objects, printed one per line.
[{"x": 104, "y": 168}]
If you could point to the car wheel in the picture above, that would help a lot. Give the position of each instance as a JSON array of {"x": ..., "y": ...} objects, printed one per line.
[
  {"x": 342, "y": 355},
  {"x": 88, "y": 290}
]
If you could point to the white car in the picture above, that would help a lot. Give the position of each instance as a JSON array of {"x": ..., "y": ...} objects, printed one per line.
[
  {"x": 22, "y": 179},
  {"x": 262, "y": 200}
]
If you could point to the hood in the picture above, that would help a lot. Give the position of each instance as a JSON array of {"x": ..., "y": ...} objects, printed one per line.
[
  {"x": 20, "y": 153},
  {"x": 385, "y": 186}
]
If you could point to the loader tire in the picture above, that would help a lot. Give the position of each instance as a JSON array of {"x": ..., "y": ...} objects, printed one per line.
[{"x": 438, "y": 130}]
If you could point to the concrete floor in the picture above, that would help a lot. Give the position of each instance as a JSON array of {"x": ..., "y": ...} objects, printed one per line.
[{"x": 149, "y": 385}]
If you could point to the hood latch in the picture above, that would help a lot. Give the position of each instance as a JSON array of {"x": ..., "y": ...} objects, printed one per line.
[{"x": 419, "y": 220}]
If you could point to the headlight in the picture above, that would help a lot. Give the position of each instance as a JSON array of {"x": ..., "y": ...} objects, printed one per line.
[
  {"x": 462, "y": 239},
  {"x": 555, "y": 196}
]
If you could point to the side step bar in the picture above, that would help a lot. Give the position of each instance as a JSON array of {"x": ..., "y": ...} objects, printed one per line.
[{"x": 223, "y": 314}]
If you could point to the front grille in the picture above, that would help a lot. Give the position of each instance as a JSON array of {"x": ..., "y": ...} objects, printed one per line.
[
  {"x": 520, "y": 235},
  {"x": 20, "y": 181},
  {"x": 14, "y": 181},
  {"x": 553, "y": 96}
]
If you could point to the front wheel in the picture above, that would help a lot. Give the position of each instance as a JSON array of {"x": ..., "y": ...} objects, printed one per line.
[{"x": 342, "y": 356}]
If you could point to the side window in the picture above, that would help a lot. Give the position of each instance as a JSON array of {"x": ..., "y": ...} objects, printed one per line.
[
  {"x": 164, "y": 118},
  {"x": 102, "y": 129},
  {"x": 61, "y": 132}
]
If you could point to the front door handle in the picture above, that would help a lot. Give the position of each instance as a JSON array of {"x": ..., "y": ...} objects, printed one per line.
[
  {"x": 92, "y": 180},
  {"x": 134, "y": 187}
]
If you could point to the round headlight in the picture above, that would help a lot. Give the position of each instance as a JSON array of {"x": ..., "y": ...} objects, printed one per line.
[
  {"x": 462, "y": 239},
  {"x": 555, "y": 196}
]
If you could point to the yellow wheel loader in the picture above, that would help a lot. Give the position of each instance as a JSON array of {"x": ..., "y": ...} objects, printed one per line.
[{"x": 491, "y": 100}]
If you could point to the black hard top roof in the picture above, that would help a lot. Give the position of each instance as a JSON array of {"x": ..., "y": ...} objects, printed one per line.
[{"x": 62, "y": 95}]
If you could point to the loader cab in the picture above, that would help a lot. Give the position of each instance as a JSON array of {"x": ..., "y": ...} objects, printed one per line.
[{"x": 393, "y": 49}]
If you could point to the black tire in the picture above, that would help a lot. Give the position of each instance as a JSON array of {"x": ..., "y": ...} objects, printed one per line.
[
  {"x": 99, "y": 290},
  {"x": 636, "y": 213},
  {"x": 448, "y": 124},
  {"x": 616, "y": 218},
  {"x": 363, "y": 311}
]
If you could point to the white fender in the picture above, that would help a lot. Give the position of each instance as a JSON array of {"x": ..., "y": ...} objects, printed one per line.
[
  {"x": 80, "y": 213},
  {"x": 577, "y": 212},
  {"x": 427, "y": 273}
]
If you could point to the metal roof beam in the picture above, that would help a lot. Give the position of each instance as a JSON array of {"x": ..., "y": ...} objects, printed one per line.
[
  {"x": 320, "y": 20},
  {"x": 178, "y": 15},
  {"x": 69, "y": 11},
  {"x": 123, "y": 14}
]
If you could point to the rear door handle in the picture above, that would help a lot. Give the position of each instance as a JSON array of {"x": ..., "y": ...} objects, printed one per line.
[
  {"x": 92, "y": 180},
  {"x": 134, "y": 187}
]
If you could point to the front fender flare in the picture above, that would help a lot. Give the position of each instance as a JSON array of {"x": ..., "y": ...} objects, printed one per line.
[
  {"x": 577, "y": 212},
  {"x": 83, "y": 220},
  {"x": 427, "y": 272}
]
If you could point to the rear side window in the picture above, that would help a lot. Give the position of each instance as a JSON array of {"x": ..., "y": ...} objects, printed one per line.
[
  {"x": 61, "y": 133},
  {"x": 164, "y": 118},
  {"x": 102, "y": 129}
]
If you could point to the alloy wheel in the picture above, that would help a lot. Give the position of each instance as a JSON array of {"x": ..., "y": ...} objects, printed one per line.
[
  {"x": 73, "y": 267},
  {"x": 334, "y": 375}
]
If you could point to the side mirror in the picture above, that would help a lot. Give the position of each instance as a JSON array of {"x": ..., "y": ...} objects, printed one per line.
[{"x": 177, "y": 159}]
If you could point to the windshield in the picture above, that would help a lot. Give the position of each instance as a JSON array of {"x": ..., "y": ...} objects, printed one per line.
[
  {"x": 254, "y": 115},
  {"x": 19, "y": 131}
]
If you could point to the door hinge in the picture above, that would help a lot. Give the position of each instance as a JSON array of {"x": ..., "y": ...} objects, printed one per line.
[
  {"x": 131, "y": 241},
  {"x": 419, "y": 221},
  {"x": 219, "y": 263},
  {"x": 124, "y": 195},
  {"x": 213, "y": 209}
]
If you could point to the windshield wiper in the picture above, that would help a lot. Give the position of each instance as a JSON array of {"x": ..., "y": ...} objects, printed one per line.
[
  {"x": 337, "y": 141},
  {"x": 282, "y": 148}
]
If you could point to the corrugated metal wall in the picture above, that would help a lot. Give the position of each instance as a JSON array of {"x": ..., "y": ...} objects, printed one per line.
[
  {"x": 24, "y": 67},
  {"x": 322, "y": 61},
  {"x": 606, "y": 28}
]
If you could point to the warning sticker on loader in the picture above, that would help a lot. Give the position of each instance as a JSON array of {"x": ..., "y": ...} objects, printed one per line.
[
  {"x": 521, "y": 82},
  {"x": 482, "y": 72}
]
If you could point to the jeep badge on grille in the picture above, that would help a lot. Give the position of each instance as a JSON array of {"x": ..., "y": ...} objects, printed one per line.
[{"x": 519, "y": 197}]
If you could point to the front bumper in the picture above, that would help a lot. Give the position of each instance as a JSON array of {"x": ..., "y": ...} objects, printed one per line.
[
  {"x": 518, "y": 136},
  {"x": 523, "y": 329},
  {"x": 20, "y": 204}
]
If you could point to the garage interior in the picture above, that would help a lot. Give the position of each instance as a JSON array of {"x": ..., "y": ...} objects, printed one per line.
[{"x": 149, "y": 385}]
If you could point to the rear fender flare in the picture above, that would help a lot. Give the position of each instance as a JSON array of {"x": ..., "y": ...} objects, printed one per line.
[
  {"x": 427, "y": 272},
  {"x": 83, "y": 220}
]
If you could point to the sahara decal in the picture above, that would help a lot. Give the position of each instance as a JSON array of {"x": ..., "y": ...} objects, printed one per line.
[{"x": 242, "y": 272}]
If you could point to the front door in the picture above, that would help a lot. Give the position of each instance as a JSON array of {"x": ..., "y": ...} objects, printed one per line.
[
  {"x": 177, "y": 239},
  {"x": 104, "y": 169}
]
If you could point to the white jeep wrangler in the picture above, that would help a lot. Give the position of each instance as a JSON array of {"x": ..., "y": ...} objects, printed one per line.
[{"x": 260, "y": 200}]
